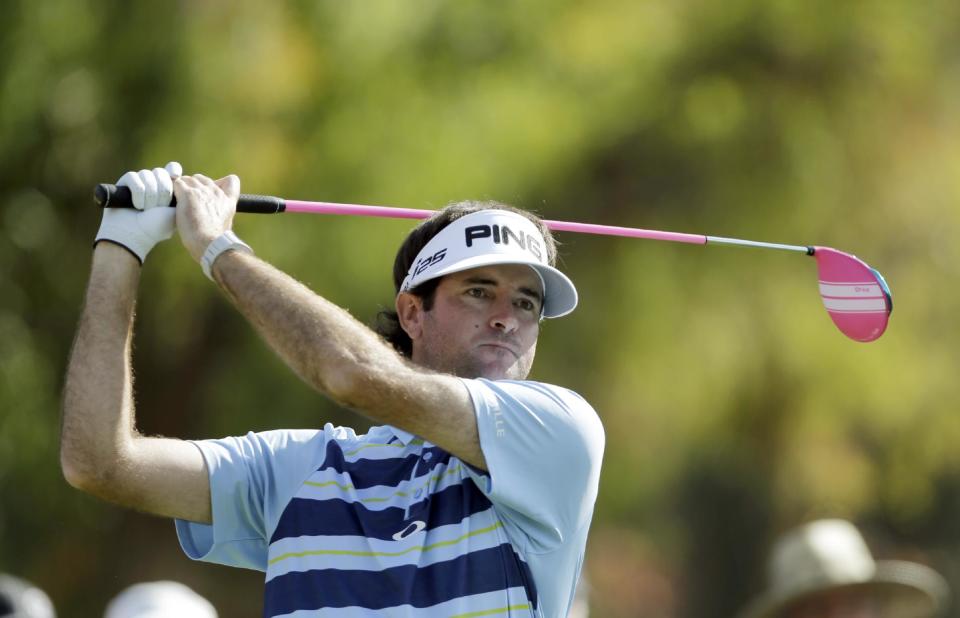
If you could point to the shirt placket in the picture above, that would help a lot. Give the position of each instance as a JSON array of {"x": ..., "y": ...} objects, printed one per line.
[
  {"x": 412, "y": 497},
  {"x": 420, "y": 484}
]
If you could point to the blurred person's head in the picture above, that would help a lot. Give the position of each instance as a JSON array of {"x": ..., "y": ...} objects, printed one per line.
[
  {"x": 21, "y": 599},
  {"x": 824, "y": 569},
  {"x": 162, "y": 599}
]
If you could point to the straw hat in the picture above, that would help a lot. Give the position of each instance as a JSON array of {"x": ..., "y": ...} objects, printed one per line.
[{"x": 831, "y": 554}]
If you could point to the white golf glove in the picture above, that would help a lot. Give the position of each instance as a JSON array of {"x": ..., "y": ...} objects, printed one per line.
[{"x": 152, "y": 221}]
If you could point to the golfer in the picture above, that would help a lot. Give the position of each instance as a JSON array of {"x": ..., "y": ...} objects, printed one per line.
[{"x": 472, "y": 495}]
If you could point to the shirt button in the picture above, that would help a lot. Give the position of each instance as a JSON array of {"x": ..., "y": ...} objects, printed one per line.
[
  {"x": 427, "y": 456},
  {"x": 418, "y": 493}
]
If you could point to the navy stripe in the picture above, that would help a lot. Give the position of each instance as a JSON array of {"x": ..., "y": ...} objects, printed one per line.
[
  {"x": 303, "y": 516},
  {"x": 431, "y": 458},
  {"x": 488, "y": 570},
  {"x": 366, "y": 473},
  {"x": 528, "y": 582}
]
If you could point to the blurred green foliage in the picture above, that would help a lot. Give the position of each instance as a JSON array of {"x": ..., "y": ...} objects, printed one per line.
[{"x": 733, "y": 407}]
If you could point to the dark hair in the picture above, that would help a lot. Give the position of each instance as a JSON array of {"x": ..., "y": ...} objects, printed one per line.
[{"x": 388, "y": 323}]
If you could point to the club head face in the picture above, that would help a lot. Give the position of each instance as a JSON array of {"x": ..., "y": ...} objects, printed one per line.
[{"x": 856, "y": 296}]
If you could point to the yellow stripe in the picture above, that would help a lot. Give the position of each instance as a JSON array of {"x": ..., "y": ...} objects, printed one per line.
[
  {"x": 490, "y": 612},
  {"x": 436, "y": 478},
  {"x": 357, "y": 450},
  {"x": 328, "y": 484},
  {"x": 415, "y": 442},
  {"x": 402, "y": 494},
  {"x": 373, "y": 554}
]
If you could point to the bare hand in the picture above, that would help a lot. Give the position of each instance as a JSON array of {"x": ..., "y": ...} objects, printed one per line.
[{"x": 205, "y": 209}]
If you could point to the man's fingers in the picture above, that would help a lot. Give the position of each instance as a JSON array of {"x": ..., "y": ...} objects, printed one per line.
[
  {"x": 132, "y": 181},
  {"x": 164, "y": 186},
  {"x": 149, "y": 188},
  {"x": 230, "y": 185},
  {"x": 199, "y": 181},
  {"x": 204, "y": 180},
  {"x": 174, "y": 169},
  {"x": 189, "y": 181},
  {"x": 179, "y": 186}
]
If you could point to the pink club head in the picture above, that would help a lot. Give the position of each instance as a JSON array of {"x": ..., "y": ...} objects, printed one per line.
[{"x": 855, "y": 295}]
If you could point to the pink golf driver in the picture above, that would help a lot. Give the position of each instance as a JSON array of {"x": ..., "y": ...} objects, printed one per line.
[{"x": 856, "y": 296}]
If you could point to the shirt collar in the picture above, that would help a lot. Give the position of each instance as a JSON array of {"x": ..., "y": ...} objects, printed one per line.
[{"x": 404, "y": 436}]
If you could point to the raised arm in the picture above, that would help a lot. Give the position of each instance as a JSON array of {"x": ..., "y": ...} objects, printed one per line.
[
  {"x": 101, "y": 451},
  {"x": 321, "y": 342}
]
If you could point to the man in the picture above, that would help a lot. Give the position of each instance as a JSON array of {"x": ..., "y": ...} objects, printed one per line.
[
  {"x": 472, "y": 497},
  {"x": 825, "y": 570}
]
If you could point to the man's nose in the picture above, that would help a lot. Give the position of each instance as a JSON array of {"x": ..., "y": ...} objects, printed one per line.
[{"x": 504, "y": 317}]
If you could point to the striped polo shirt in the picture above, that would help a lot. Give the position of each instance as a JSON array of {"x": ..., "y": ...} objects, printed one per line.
[{"x": 386, "y": 524}]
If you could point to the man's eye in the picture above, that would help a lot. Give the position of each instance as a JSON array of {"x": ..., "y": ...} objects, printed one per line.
[
  {"x": 526, "y": 304},
  {"x": 477, "y": 292}
]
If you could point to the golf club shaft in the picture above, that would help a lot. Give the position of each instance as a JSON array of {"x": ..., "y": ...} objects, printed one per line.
[{"x": 111, "y": 196}]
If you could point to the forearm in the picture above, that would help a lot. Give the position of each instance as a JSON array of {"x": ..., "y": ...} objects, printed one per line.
[
  {"x": 101, "y": 451},
  {"x": 341, "y": 357},
  {"x": 321, "y": 342},
  {"x": 97, "y": 420}
]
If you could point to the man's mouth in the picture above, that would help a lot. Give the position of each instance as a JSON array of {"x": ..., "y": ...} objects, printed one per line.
[{"x": 501, "y": 346}]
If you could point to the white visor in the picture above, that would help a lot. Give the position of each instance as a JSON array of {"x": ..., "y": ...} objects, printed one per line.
[{"x": 493, "y": 237}]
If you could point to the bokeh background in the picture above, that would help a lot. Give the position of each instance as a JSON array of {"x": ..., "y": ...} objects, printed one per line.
[{"x": 733, "y": 408}]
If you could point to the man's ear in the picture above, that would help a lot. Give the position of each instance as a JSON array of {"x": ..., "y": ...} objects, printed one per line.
[{"x": 410, "y": 314}]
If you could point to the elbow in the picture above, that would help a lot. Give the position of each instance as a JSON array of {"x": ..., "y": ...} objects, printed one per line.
[
  {"x": 358, "y": 383},
  {"x": 74, "y": 472},
  {"x": 346, "y": 387},
  {"x": 75, "y": 478},
  {"x": 78, "y": 468},
  {"x": 95, "y": 445},
  {"x": 350, "y": 381},
  {"x": 83, "y": 471}
]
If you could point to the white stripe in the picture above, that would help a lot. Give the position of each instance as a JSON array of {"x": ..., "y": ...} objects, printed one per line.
[
  {"x": 378, "y": 444},
  {"x": 856, "y": 305},
  {"x": 475, "y": 603},
  {"x": 376, "y": 451},
  {"x": 328, "y": 484},
  {"x": 420, "y": 549},
  {"x": 850, "y": 290}
]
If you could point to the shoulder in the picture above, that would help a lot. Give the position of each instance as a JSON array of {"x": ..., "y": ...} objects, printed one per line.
[
  {"x": 521, "y": 389},
  {"x": 543, "y": 446},
  {"x": 275, "y": 439},
  {"x": 530, "y": 395},
  {"x": 538, "y": 405},
  {"x": 278, "y": 446}
]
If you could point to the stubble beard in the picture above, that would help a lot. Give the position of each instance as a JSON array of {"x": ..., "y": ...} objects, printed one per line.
[{"x": 466, "y": 365}]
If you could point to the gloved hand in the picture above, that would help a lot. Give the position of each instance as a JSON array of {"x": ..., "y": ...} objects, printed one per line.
[{"x": 152, "y": 221}]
